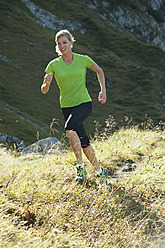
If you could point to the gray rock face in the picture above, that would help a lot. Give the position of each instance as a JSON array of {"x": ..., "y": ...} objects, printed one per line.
[
  {"x": 44, "y": 146},
  {"x": 144, "y": 19},
  {"x": 12, "y": 140},
  {"x": 142, "y": 24},
  {"x": 49, "y": 20},
  {"x": 155, "y": 4}
]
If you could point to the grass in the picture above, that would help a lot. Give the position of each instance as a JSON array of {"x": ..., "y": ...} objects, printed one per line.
[
  {"x": 123, "y": 58},
  {"x": 42, "y": 206}
]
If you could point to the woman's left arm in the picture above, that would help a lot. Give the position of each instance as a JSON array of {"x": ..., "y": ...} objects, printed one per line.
[{"x": 100, "y": 75}]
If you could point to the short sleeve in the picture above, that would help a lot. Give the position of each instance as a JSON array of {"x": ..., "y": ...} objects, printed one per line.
[
  {"x": 49, "y": 69},
  {"x": 89, "y": 61}
]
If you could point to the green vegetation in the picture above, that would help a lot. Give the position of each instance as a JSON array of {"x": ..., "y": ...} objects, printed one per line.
[
  {"x": 29, "y": 47},
  {"x": 42, "y": 206}
]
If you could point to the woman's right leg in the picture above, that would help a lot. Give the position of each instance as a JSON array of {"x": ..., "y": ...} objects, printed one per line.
[
  {"x": 70, "y": 126},
  {"x": 75, "y": 144},
  {"x": 75, "y": 117}
]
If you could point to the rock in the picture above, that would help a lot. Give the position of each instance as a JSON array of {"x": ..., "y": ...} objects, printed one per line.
[
  {"x": 141, "y": 25},
  {"x": 3, "y": 137},
  {"x": 144, "y": 19},
  {"x": 12, "y": 140},
  {"x": 150, "y": 74},
  {"x": 49, "y": 20},
  {"x": 44, "y": 146},
  {"x": 155, "y": 4}
]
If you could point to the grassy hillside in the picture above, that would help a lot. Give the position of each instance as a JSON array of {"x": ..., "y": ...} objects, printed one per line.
[
  {"x": 27, "y": 47},
  {"x": 42, "y": 206}
]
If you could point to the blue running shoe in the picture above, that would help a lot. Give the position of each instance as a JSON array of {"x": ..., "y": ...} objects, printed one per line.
[
  {"x": 81, "y": 174},
  {"x": 103, "y": 175}
]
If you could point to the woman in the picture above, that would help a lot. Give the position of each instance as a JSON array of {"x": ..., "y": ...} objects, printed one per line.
[{"x": 69, "y": 70}]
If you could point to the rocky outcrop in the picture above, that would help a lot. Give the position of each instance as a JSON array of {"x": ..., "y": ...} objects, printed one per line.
[
  {"x": 49, "y": 145},
  {"x": 145, "y": 19},
  {"x": 156, "y": 4},
  {"x": 49, "y": 20},
  {"x": 44, "y": 146},
  {"x": 142, "y": 24},
  {"x": 12, "y": 141}
]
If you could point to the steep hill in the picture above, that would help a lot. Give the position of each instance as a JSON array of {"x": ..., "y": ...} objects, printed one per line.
[
  {"x": 124, "y": 37},
  {"x": 42, "y": 206}
]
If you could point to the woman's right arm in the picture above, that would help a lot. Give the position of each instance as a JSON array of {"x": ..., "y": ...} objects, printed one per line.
[{"x": 46, "y": 83}]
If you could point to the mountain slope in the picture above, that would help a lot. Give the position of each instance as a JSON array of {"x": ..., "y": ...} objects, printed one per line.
[
  {"x": 43, "y": 206},
  {"x": 134, "y": 70}
]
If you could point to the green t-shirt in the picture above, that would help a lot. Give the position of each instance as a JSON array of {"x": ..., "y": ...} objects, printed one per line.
[{"x": 71, "y": 79}]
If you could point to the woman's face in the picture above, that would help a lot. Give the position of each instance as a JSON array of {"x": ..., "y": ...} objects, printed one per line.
[{"x": 64, "y": 45}]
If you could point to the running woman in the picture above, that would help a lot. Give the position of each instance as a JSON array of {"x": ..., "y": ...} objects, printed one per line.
[{"x": 69, "y": 70}]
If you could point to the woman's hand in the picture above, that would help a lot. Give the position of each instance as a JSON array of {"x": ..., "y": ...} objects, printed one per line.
[
  {"x": 46, "y": 83},
  {"x": 102, "y": 97},
  {"x": 48, "y": 78},
  {"x": 100, "y": 74}
]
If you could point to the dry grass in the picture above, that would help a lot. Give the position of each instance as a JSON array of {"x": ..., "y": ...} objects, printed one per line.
[{"x": 42, "y": 206}]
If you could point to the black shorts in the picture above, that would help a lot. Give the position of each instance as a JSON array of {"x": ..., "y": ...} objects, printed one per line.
[{"x": 74, "y": 118}]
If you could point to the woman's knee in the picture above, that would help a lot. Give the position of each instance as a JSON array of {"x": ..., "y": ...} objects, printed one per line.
[{"x": 69, "y": 133}]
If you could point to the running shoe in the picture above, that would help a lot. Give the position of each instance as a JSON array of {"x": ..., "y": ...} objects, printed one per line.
[
  {"x": 103, "y": 175},
  {"x": 81, "y": 174}
]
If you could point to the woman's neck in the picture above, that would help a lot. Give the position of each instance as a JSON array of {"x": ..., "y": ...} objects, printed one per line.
[{"x": 68, "y": 58}]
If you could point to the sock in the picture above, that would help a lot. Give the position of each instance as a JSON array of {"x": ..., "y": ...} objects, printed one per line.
[
  {"x": 80, "y": 165},
  {"x": 99, "y": 172}
]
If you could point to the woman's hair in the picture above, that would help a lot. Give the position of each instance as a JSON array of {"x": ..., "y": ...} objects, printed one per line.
[{"x": 63, "y": 32}]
